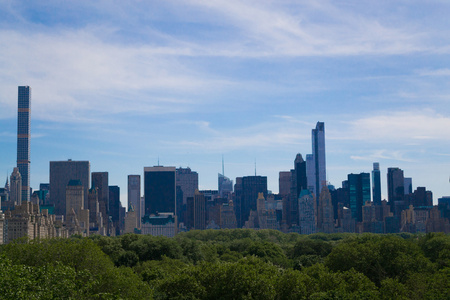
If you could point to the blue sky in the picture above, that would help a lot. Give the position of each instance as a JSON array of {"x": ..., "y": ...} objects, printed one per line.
[{"x": 123, "y": 83}]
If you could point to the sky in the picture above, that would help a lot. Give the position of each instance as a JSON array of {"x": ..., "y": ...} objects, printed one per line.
[{"x": 125, "y": 84}]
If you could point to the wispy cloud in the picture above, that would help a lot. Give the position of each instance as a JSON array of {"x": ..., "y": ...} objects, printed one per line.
[
  {"x": 383, "y": 155},
  {"x": 308, "y": 28},
  {"x": 408, "y": 126}
]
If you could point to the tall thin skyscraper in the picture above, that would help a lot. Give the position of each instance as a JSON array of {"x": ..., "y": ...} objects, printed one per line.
[
  {"x": 23, "y": 139},
  {"x": 298, "y": 184},
  {"x": 318, "y": 149},
  {"x": 100, "y": 181},
  {"x": 376, "y": 184},
  {"x": 134, "y": 196},
  {"x": 310, "y": 172}
]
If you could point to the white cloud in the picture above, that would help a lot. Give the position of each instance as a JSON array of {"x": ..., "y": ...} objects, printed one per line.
[
  {"x": 310, "y": 28},
  {"x": 76, "y": 72},
  {"x": 408, "y": 126},
  {"x": 435, "y": 72}
]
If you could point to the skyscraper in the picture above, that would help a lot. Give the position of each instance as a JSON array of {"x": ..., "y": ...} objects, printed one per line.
[
  {"x": 187, "y": 184},
  {"x": 396, "y": 190},
  {"x": 247, "y": 189},
  {"x": 376, "y": 184},
  {"x": 310, "y": 172},
  {"x": 225, "y": 185},
  {"x": 318, "y": 149},
  {"x": 159, "y": 190},
  {"x": 15, "y": 190},
  {"x": 100, "y": 181},
  {"x": 23, "y": 139},
  {"x": 61, "y": 172},
  {"x": 196, "y": 211},
  {"x": 298, "y": 184},
  {"x": 114, "y": 207},
  {"x": 284, "y": 183},
  {"x": 307, "y": 212},
  {"x": 134, "y": 196},
  {"x": 359, "y": 193}
]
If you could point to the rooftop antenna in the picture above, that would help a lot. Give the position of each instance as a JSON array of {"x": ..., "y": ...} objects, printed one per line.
[
  {"x": 255, "y": 166},
  {"x": 223, "y": 167},
  {"x": 158, "y": 160}
]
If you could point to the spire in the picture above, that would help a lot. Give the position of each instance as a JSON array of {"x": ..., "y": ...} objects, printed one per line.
[{"x": 223, "y": 167}]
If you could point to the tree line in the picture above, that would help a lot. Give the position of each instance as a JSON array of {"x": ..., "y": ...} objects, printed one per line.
[{"x": 229, "y": 264}]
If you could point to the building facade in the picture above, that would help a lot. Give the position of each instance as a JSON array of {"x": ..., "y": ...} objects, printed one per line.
[
  {"x": 23, "y": 139},
  {"x": 376, "y": 184},
  {"x": 359, "y": 193},
  {"x": 318, "y": 149},
  {"x": 100, "y": 181},
  {"x": 159, "y": 190},
  {"x": 134, "y": 197},
  {"x": 61, "y": 172}
]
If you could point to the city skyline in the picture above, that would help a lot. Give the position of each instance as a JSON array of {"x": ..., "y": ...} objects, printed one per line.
[{"x": 184, "y": 84}]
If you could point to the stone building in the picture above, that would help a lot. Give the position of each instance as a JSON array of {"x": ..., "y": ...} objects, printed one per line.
[{"x": 26, "y": 220}]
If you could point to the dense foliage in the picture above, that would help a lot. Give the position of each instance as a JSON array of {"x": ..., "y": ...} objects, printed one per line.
[{"x": 229, "y": 264}]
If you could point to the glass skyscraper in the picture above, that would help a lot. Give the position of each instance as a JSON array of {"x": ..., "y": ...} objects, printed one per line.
[
  {"x": 376, "y": 184},
  {"x": 23, "y": 139},
  {"x": 359, "y": 193},
  {"x": 318, "y": 149},
  {"x": 159, "y": 190}
]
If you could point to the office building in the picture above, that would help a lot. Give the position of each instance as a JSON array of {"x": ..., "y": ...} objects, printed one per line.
[
  {"x": 74, "y": 197},
  {"x": 61, "y": 172},
  {"x": 23, "y": 139},
  {"x": 396, "y": 191},
  {"x": 325, "y": 212},
  {"x": 134, "y": 197},
  {"x": 422, "y": 197},
  {"x": 408, "y": 188},
  {"x": 247, "y": 189},
  {"x": 159, "y": 190},
  {"x": 359, "y": 193},
  {"x": 196, "y": 208},
  {"x": 95, "y": 216},
  {"x": 131, "y": 220},
  {"x": 310, "y": 170},
  {"x": 100, "y": 181},
  {"x": 284, "y": 183},
  {"x": 307, "y": 212},
  {"x": 186, "y": 184},
  {"x": 299, "y": 183},
  {"x": 225, "y": 186},
  {"x": 77, "y": 218},
  {"x": 376, "y": 184},
  {"x": 15, "y": 190},
  {"x": 318, "y": 149},
  {"x": 114, "y": 207}
]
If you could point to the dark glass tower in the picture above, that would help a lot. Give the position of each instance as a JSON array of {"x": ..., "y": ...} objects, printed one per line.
[
  {"x": 376, "y": 184},
  {"x": 247, "y": 189},
  {"x": 318, "y": 149},
  {"x": 159, "y": 190},
  {"x": 298, "y": 184},
  {"x": 359, "y": 193},
  {"x": 396, "y": 185},
  {"x": 23, "y": 139}
]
